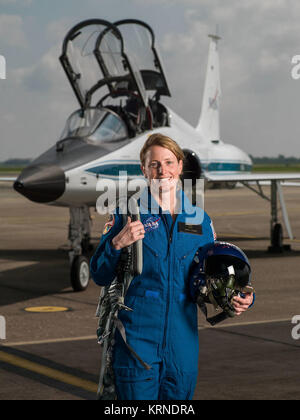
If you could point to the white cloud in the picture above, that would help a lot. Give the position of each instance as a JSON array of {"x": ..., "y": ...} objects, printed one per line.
[
  {"x": 15, "y": 2},
  {"x": 11, "y": 31},
  {"x": 57, "y": 30},
  {"x": 42, "y": 75},
  {"x": 259, "y": 39}
]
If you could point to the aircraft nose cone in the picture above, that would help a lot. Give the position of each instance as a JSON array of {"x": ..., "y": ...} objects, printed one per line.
[{"x": 41, "y": 183}]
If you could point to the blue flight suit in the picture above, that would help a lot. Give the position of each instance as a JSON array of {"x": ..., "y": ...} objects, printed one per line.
[{"x": 163, "y": 328}]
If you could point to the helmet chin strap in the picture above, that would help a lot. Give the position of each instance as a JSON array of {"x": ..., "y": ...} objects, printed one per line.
[
  {"x": 219, "y": 294},
  {"x": 221, "y": 271}
]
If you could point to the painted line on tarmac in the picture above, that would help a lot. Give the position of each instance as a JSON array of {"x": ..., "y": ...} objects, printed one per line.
[
  {"x": 49, "y": 341},
  {"x": 236, "y": 213},
  {"x": 242, "y": 236},
  {"x": 246, "y": 213},
  {"x": 245, "y": 324},
  {"x": 224, "y": 329},
  {"x": 94, "y": 337},
  {"x": 87, "y": 385},
  {"x": 235, "y": 235},
  {"x": 48, "y": 372}
]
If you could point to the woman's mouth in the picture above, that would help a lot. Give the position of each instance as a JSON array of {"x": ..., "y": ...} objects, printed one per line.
[{"x": 162, "y": 183}]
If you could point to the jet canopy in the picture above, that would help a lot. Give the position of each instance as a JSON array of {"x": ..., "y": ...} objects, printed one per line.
[
  {"x": 98, "y": 125},
  {"x": 139, "y": 42},
  {"x": 120, "y": 57}
]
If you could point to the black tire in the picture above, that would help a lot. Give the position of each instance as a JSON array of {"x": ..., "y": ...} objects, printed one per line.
[
  {"x": 277, "y": 236},
  {"x": 80, "y": 273}
]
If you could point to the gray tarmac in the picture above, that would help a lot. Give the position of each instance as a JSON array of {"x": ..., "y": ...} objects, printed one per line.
[{"x": 55, "y": 356}]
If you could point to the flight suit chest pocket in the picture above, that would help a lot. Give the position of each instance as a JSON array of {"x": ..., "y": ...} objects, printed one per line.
[
  {"x": 188, "y": 243},
  {"x": 151, "y": 265},
  {"x": 187, "y": 252},
  {"x": 155, "y": 236},
  {"x": 185, "y": 262}
]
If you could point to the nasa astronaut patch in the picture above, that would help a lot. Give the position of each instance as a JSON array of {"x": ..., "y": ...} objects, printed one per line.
[{"x": 152, "y": 223}]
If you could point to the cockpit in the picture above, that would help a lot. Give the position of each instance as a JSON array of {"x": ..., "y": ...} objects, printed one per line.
[
  {"x": 118, "y": 79},
  {"x": 98, "y": 125}
]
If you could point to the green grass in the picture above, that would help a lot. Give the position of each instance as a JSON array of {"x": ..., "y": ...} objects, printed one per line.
[
  {"x": 277, "y": 168},
  {"x": 10, "y": 170},
  {"x": 4, "y": 170}
]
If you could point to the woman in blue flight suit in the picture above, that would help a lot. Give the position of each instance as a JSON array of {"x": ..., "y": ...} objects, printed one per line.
[{"x": 162, "y": 329}]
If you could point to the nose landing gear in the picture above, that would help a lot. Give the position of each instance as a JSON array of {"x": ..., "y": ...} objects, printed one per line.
[
  {"x": 79, "y": 237},
  {"x": 80, "y": 273}
]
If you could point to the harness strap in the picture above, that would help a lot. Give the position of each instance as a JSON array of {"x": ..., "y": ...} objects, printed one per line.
[
  {"x": 119, "y": 325},
  {"x": 215, "y": 319}
]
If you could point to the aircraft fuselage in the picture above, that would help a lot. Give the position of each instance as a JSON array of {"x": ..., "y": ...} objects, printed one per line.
[{"x": 69, "y": 177}]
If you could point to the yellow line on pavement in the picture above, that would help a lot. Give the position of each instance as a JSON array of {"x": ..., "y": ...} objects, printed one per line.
[
  {"x": 236, "y": 213},
  {"x": 236, "y": 235},
  {"x": 245, "y": 324},
  {"x": 48, "y": 372},
  {"x": 49, "y": 341}
]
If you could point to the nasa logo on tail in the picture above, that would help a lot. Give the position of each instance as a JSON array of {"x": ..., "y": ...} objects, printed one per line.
[{"x": 213, "y": 102}]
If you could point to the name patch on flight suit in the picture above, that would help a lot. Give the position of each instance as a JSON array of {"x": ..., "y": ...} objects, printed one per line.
[{"x": 186, "y": 228}]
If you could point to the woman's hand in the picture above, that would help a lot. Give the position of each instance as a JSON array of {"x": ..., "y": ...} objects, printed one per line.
[
  {"x": 242, "y": 304},
  {"x": 132, "y": 232}
]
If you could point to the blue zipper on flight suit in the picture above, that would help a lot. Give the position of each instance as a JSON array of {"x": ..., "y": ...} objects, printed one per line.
[{"x": 170, "y": 238}]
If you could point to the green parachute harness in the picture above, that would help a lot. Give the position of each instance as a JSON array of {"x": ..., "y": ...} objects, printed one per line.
[{"x": 111, "y": 302}]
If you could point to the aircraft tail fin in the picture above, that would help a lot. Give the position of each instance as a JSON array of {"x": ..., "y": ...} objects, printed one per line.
[{"x": 209, "y": 122}]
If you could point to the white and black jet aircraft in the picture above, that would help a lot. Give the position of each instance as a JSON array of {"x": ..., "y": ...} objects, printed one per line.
[{"x": 118, "y": 79}]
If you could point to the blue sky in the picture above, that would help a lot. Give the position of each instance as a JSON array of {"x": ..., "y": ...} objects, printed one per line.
[{"x": 260, "y": 101}]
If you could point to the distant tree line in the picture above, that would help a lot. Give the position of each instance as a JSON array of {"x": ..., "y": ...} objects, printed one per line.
[
  {"x": 15, "y": 162},
  {"x": 279, "y": 160}
]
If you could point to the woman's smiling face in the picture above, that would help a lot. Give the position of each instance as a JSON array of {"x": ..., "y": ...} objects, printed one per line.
[{"x": 162, "y": 168}]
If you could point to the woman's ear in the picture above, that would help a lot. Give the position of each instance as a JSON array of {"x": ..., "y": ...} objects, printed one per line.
[
  {"x": 181, "y": 167},
  {"x": 143, "y": 170}
]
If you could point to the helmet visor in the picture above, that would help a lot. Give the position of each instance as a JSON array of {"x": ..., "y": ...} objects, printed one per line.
[{"x": 217, "y": 267}]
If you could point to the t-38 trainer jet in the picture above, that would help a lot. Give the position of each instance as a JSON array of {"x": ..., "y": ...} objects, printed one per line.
[{"x": 117, "y": 76}]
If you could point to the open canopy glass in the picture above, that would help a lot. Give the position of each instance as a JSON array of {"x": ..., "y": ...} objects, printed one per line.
[
  {"x": 139, "y": 44},
  {"x": 93, "y": 56},
  {"x": 119, "y": 57}
]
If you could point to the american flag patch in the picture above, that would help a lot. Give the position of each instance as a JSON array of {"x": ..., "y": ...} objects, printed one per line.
[
  {"x": 213, "y": 231},
  {"x": 109, "y": 225}
]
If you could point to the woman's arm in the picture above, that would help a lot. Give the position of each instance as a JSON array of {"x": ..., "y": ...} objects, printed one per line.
[{"x": 104, "y": 262}]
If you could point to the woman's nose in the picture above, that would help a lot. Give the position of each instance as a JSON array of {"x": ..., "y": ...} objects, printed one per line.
[{"x": 161, "y": 169}]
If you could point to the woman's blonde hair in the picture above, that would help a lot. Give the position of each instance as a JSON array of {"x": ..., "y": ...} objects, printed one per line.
[{"x": 162, "y": 141}]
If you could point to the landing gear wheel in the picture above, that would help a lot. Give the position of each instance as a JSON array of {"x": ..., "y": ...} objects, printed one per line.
[{"x": 80, "y": 273}]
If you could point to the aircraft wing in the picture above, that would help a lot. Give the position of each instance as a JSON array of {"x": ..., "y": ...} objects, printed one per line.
[
  {"x": 8, "y": 179},
  {"x": 253, "y": 177},
  {"x": 263, "y": 179}
]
